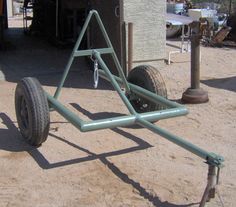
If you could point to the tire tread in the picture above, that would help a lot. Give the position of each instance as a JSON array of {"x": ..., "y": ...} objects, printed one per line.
[{"x": 38, "y": 108}]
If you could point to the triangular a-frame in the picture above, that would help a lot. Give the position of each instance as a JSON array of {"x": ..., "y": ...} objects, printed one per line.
[{"x": 90, "y": 52}]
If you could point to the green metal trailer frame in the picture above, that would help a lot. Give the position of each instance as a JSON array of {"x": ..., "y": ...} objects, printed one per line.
[{"x": 145, "y": 120}]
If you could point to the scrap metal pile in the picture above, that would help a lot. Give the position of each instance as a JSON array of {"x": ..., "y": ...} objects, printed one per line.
[{"x": 221, "y": 23}]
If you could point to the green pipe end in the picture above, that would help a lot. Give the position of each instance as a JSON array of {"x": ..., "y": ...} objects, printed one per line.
[{"x": 216, "y": 160}]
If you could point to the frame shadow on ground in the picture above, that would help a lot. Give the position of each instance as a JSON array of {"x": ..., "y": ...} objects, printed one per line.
[{"x": 11, "y": 140}]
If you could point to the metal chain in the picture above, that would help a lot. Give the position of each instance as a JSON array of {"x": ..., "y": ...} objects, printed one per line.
[{"x": 95, "y": 74}]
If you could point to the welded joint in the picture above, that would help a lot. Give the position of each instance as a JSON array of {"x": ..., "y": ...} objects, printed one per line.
[
  {"x": 215, "y": 160},
  {"x": 138, "y": 118}
]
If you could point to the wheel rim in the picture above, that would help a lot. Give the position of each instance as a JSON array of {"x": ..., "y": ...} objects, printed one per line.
[
  {"x": 140, "y": 105},
  {"x": 24, "y": 113}
]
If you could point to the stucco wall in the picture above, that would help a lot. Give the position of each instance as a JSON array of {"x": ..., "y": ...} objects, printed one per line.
[{"x": 148, "y": 17}]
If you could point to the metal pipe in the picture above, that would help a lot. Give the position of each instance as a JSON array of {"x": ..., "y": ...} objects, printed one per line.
[
  {"x": 114, "y": 57},
  {"x": 66, "y": 113},
  {"x": 130, "y": 46},
  {"x": 181, "y": 142},
  {"x": 195, "y": 61},
  {"x": 81, "y": 53},
  {"x": 153, "y": 97},
  {"x": 195, "y": 94},
  {"x": 141, "y": 119},
  {"x": 111, "y": 122},
  {"x": 144, "y": 93},
  {"x": 66, "y": 71},
  {"x": 130, "y": 119},
  {"x": 163, "y": 114},
  {"x": 114, "y": 82},
  {"x": 75, "y": 53}
]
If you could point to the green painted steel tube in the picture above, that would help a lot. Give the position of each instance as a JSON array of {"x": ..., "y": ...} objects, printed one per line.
[
  {"x": 109, "y": 123},
  {"x": 145, "y": 93},
  {"x": 114, "y": 82},
  {"x": 164, "y": 114},
  {"x": 141, "y": 119},
  {"x": 67, "y": 69},
  {"x": 116, "y": 61},
  {"x": 66, "y": 113},
  {"x": 130, "y": 119},
  {"x": 211, "y": 157},
  {"x": 81, "y": 53},
  {"x": 76, "y": 53},
  {"x": 153, "y": 97}
]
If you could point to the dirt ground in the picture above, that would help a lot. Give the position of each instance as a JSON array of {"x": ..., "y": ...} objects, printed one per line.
[{"x": 119, "y": 167}]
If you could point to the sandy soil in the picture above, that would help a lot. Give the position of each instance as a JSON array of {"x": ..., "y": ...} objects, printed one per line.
[{"x": 119, "y": 167}]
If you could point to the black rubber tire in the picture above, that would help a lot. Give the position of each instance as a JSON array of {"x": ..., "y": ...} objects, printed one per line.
[
  {"x": 32, "y": 111},
  {"x": 148, "y": 78}
]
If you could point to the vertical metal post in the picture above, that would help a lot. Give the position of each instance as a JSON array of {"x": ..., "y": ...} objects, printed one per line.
[
  {"x": 195, "y": 62},
  {"x": 195, "y": 94},
  {"x": 130, "y": 46}
]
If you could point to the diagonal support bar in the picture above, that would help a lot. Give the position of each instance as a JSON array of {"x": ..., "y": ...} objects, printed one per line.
[
  {"x": 144, "y": 93},
  {"x": 71, "y": 59},
  {"x": 114, "y": 82},
  {"x": 77, "y": 53},
  {"x": 212, "y": 158}
]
